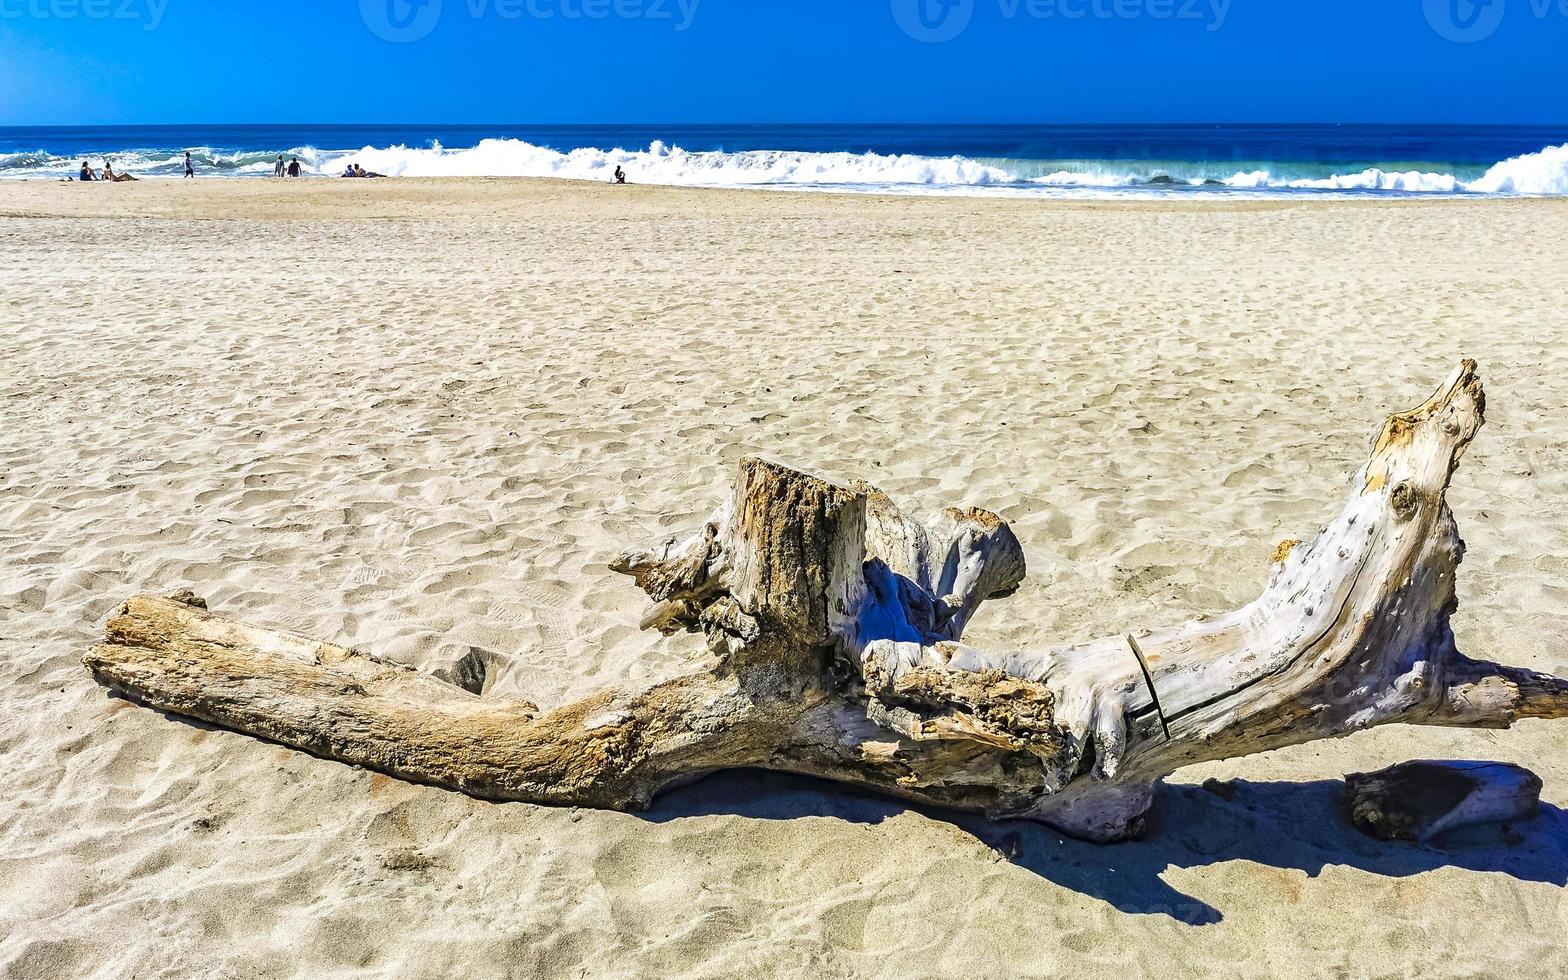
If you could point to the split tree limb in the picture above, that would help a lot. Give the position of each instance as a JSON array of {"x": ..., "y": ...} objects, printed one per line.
[
  {"x": 833, "y": 623},
  {"x": 612, "y": 750}
]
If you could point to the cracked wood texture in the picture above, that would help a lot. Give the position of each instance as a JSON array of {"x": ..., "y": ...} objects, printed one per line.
[{"x": 833, "y": 625}]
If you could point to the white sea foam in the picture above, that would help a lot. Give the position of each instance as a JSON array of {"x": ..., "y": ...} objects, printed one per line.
[
  {"x": 1541, "y": 173},
  {"x": 662, "y": 164},
  {"x": 1410, "y": 182},
  {"x": 1545, "y": 172}
]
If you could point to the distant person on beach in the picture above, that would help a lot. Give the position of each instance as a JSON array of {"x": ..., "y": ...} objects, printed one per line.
[
  {"x": 355, "y": 170},
  {"x": 620, "y": 175},
  {"x": 294, "y": 170},
  {"x": 87, "y": 172},
  {"x": 190, "y": 168},
  {"x": 280, "y": 168}
]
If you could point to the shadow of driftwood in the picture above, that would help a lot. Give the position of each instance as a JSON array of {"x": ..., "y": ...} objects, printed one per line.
[
  {"x": 1289, "y": 825},
  {"x": 1280, "y": 824}
]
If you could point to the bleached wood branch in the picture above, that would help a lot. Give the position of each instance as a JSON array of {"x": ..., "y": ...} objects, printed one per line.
[{"x": 834, "y": 623}]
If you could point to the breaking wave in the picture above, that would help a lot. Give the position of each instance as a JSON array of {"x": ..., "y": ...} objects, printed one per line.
[{"x": 1543, "y": 173}]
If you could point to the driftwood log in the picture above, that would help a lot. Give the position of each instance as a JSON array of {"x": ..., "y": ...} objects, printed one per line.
[
  {"x": 833, "y": 623},
  {"x": 1417, "y": 801}
]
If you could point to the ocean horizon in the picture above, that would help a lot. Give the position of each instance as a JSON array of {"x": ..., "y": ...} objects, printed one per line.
[{"x": 1098, "y": 160}]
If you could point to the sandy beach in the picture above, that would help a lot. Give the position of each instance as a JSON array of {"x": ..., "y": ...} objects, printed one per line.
[{"x": 421, "y": 416}]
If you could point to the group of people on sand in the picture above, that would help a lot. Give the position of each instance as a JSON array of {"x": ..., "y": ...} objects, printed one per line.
[
  {"x": 87, "y": 174},
  {"x": 281, "y": 169},
  {"x": 106, "y": 174}
]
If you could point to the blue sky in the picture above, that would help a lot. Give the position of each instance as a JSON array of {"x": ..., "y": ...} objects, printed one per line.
[{"x": 195, "y": 61}]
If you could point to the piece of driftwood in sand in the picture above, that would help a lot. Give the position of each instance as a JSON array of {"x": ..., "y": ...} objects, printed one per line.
[
  {"x": 1418, "y": 801},
  {"x": 833, "y": 623}
]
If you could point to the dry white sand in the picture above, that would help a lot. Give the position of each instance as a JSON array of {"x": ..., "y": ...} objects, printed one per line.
[{"x": 420, "y": 417}]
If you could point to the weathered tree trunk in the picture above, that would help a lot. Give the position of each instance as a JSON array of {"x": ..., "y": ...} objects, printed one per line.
[{"x": 833, "y": 623}]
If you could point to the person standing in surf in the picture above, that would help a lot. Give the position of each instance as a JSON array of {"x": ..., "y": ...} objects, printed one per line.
[
  {"x": 190, "y": 168},
  {"x": 280, "y": 168}
]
